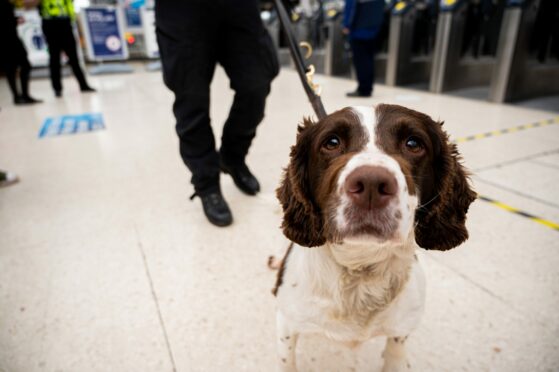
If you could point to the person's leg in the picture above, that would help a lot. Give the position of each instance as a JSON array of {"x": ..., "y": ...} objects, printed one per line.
[
  {"x": 186, "y": 40},
  {"x": 249, "y": 59},
  {"x": 24, "y": 72},
  {"x": 371, "y": 52},
  {"x": 52, "y": 35},
  {"x": 69, "y": 47},
  {"x": 363, "y": 61},
  {"x": 356, "y": 58},
  {"x": 239, "y": 130},
  {"x": 187, "y": 36},
  {"x": 11, "y": 73},
  {"x": 9, "y": 65},
  {"x": 196, "y": 139}
]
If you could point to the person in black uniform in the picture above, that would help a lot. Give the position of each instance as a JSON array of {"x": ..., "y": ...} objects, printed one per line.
[
  {"x": 362, "y": 22},
  {"x": 58, "y": 16},
  {"x": 194, "y": 35},
  {"x": 14, "y": 55}
]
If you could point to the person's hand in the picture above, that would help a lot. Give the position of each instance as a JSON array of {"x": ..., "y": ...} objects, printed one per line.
[{"x": 345, "y": 31}]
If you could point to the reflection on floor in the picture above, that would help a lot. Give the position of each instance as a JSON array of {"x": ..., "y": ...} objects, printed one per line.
[{"x": 105, "y": 265}]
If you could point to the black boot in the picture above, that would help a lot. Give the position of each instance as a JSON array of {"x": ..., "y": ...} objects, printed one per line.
[
  {"x": 242, "y": 177},
  {"x": 357, "y": 94},
  {"x": 87, "y": 89},
  {"x": 30, "y": 99},
  {"x": 21, "y": 100},
  {"x": 215, "y": 208}
]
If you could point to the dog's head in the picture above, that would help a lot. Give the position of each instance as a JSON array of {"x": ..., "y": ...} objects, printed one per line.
[{"x": 375, "y": 173}]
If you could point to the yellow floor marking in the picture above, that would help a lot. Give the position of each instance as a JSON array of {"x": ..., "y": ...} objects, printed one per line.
[
  {"x": 494, "y": 133},
  {"x": 518, "y": 212}
]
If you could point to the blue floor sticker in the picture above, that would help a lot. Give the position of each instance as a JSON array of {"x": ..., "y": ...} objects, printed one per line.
[{"x": 71, "y": 124}]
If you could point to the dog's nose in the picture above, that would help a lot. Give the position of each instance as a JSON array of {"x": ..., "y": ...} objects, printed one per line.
[{"x": 371, "y": 187}]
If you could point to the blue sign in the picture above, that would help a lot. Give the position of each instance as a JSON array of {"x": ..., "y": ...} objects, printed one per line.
[
  {"x": 104, "y": 33},
  {"x": 137, "y": 3},
  {"x": 71, "y": 124},
  {"x": 133, "y": 17}
]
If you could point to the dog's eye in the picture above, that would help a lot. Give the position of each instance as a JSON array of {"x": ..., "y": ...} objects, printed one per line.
[
  {"x": 332, "y": 143},
  {"x": 414, "y": 145}
]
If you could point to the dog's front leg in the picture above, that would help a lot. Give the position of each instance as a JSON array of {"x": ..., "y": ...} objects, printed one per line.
[
  {"x": 286, "y": 342},
  {"x": 395, "y": 355}
]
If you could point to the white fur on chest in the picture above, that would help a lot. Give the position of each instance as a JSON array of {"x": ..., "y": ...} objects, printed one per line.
[{"x": 318, "y": 295}]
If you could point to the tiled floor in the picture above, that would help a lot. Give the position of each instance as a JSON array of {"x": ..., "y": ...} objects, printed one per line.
[{"x": 105, "y": 265}]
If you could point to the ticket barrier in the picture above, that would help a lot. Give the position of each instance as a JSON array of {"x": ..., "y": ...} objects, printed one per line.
[
  {"x": 382, "y": 41},
  {"x": 410, "y": 43},
  {"x": 459, "y": 61},
  {"x": 528, "y": 53},
  {"x": 337, "y": 57}
]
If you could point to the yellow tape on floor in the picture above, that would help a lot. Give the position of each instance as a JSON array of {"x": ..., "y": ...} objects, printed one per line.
[
  {"x": 508, "y": 208},
  {"x": 495, "y": 133}
]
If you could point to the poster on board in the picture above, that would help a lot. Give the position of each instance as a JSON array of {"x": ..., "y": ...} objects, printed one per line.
[
  {"x": 31, "y": 34},
  {"x": 104, "y": 35},
  {"x": 133, "y": 18}
]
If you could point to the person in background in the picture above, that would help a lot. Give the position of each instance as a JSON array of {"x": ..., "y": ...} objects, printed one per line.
[
  {"x": 14, "y": 55},
  {"x": 7, "y": 178},
  {"x": 362, "y": 22},
  {"x": 194, "y": 36},
  {"x": 58, "y": 16}
]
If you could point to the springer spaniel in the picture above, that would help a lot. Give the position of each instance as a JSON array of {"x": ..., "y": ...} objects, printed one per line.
[{"x": 365, "y": 187}]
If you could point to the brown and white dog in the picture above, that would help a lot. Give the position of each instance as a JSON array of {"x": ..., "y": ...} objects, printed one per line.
[{"x": 365, "y": 187}]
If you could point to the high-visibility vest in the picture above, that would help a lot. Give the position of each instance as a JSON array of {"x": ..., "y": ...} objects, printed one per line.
[{"x": 57, "y": 9}]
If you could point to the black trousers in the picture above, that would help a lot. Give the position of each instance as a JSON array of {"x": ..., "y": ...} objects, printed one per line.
[
  {"x": 60, "y": 38},
  {"x": 364, "y": 62},
  {"x": 193, "y": 36},
  {"x": 15, "y": 58}
]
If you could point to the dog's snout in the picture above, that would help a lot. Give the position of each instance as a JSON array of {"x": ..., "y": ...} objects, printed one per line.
[{"x": 371, "y": 187}]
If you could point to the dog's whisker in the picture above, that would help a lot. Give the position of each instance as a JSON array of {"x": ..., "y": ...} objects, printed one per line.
[{"x": 429, "y": 202}]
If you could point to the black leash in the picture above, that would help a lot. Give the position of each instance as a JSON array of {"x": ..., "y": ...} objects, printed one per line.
[{"x": 306, "y": 73}]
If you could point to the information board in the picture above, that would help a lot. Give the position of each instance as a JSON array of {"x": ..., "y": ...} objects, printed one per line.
[{"x": 104, "y": 35}]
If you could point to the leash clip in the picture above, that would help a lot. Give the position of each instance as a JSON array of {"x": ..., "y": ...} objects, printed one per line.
[
  {"x": 308, "y": 48},
  {"x": 317, "y": 89}
]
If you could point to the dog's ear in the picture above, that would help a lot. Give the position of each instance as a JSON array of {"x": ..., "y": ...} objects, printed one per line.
[
  {"x": 441, "y": 219},
  {"x": 302, "y": 220}
]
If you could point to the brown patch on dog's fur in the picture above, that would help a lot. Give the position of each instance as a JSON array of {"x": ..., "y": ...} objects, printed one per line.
[
  {"x": 298, "y": 193},
  {"x": 441, "y": 179},
  {"x": 302, "y": 221},
  {"x": 441, "y": 224}
]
